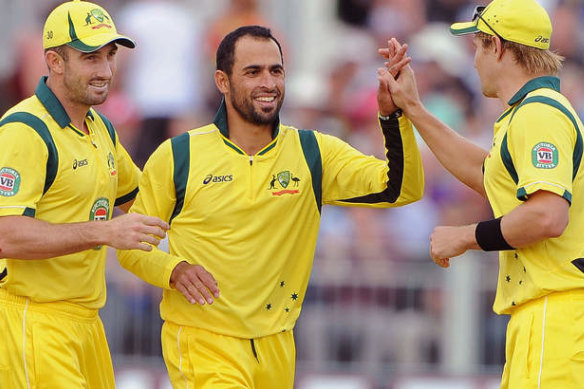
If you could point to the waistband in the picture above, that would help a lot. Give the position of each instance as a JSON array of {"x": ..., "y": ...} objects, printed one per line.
[
  {"x": 63, "y": 308},
  {"x": 567, "y": 296}
]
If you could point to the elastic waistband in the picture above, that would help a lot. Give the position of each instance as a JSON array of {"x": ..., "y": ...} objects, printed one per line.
[
  {"x": 63, "y": 308},
  {"x": 566, "y": 295}
]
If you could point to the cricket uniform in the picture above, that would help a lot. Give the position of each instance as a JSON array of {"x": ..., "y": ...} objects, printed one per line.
[
  {"x": 538, "y": 146},
  {"x": 252, "y": 221},
  {"x": 54, "y": 172}
]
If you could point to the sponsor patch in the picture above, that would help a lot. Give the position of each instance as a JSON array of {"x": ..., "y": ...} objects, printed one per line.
[
  {"x": 544, "y": 156},
  {"x": 9, "y": 182},
  {"x": 100, "y": 209}
]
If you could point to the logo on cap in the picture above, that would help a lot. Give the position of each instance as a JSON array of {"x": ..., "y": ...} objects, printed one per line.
[{"x": 98, "y": 15}]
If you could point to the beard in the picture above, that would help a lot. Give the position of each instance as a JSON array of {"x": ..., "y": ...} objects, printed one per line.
[
  {"x": 80, "y": 92},
  {"x": 262, "y": 116}
]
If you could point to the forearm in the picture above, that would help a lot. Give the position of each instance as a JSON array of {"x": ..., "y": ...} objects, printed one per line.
[
  {"x": 23, "y": 237},
  {"x": 154, "y": 267},
  {"x": 462, "y": 158}
]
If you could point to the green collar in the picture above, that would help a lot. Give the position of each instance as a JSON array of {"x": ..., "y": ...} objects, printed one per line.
[
  {"x": 220, "y": 121},
  {"x": 550, "y": 82},
  {"x": 53, "y": 105}
]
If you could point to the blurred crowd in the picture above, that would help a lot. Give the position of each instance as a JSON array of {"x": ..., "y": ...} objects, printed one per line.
[{"x": 165, "y": 86}]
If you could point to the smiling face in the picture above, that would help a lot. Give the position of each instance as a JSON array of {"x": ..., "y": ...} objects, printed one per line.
[
  {"x": 256, "y": 84},
  {"x": 87, "y": 77}
]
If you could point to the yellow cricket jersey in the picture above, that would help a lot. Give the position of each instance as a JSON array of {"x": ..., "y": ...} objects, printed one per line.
[
  {"x": 538, "y": 146},
  {"x": 54, "y": 172},
  {"x": 252, "y": 221}
]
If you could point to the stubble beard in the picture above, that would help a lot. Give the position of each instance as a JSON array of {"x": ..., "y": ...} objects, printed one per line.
[
  {"x": 249, "y": 113},
  {"x": 79, "y": 92}
]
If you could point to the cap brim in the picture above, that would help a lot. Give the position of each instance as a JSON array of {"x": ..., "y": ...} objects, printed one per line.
[
  {"x": 464, "y": 28},
  {"x": 97, "y": 42}
]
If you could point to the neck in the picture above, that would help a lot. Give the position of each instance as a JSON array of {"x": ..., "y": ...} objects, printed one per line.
[
  {"x": 76, "y": 111},
  {"x": 250, "y": 137},
  {"x": 512, "y": 79}
]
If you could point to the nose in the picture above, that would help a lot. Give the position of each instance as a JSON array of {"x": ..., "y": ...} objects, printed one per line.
[
  {"x": 268, "y": 80},
  {"x": 106, "y": 69}
]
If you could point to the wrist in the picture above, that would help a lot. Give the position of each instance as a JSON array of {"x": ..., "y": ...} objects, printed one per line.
[
  {"x": 395, "y": 114},
  {"x": 489, "y": 236}
]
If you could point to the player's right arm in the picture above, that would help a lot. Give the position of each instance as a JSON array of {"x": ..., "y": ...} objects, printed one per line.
[
  {"x": 24, "y": 237},
  {"x": 462, "y": 158},
  {"x": 157, "y": 197}
]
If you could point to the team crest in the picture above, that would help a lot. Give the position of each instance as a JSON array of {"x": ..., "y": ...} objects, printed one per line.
[
  {"x": 284, "y": 178},
  {"x": 281, "y": 181},
  {"x": 97, "y": 14},
  {"x": 9, "y": 182},
  {"x": 100, "y": 210},
  {"x": 544, "y": 156},
  {"x": 111, "y": 164}
]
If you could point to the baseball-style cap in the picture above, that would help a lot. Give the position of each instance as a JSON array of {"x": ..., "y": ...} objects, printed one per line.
[
  {"x": 521, "y": 21},
  {"x": 82, "y": 25}
]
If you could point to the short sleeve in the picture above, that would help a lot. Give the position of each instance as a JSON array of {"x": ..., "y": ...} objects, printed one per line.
[
  {"x": 541, "y": 142},
  {"x": 23, "y": 161}
]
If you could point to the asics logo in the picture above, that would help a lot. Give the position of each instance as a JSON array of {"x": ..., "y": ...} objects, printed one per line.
[{"x": 217, "y": 178}]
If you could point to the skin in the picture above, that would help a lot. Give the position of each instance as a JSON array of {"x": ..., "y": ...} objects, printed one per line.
[
  {"x": 254, "y": 93},
  {"x": 79, "y": 82},
  {"x": 544, "y": 215}
]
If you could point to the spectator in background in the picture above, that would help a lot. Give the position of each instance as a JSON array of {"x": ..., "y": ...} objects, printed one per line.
[{"x": 162, "y": 75}]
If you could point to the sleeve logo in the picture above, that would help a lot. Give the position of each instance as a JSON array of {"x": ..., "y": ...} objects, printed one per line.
[
  {"x": 9, "y": 182},
  {"x": 544, "y": 156}
]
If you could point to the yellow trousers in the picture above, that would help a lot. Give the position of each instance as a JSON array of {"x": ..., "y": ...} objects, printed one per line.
[
  {"x": 545, "y": 343},
  {"x": 199, "y": 359},
  {"x": 52, "y": 345}
]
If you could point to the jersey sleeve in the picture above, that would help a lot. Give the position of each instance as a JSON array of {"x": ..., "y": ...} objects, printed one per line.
[
  {"x": 129, "y": 175},
  {"x": 23, "y": 161},
  {"x": 541, "y": 142},
  {"x": 351, "y": 178},
  {"x": 156, "y": 197}
]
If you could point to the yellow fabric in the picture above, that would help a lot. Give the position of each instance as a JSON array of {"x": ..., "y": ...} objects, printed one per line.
[
  {"x": 533, "y": 271},
  {"x": 200, "y": 359},
  {"x": 254, "y": 235},
  {"x": 521, "y": 21},
  {"x": 52, "y": 345},
  {"x": 92, "y": 174},
  {"x": 83, "y": 25},
  {"x": 550, "y": 326}
]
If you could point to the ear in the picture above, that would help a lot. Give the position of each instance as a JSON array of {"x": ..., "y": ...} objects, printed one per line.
[
  {"x": 55, "y": 62},
  {"x": 499, "y": 48},
  {"x": 222, "y": 81}
]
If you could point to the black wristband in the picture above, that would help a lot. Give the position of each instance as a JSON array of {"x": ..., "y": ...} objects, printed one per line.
[{"x": 489, "y": 236}]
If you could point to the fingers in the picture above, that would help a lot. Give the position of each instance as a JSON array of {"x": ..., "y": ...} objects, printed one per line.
[
  {"x": 442, "y": 262},
  {"x": 154, "y": 221},
  {"x": 196, "y": 284}
]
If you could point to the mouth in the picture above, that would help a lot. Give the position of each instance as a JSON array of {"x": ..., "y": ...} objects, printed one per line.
[
  {"x": 267, "y": 101},
  {"x": 99, "y": 85}
]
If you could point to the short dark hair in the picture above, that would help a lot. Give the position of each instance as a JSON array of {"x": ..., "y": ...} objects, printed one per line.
[{"x": 226, "y": 50}]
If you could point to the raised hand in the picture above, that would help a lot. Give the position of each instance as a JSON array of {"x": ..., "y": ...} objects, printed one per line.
[{"x": 195, "y": 283}]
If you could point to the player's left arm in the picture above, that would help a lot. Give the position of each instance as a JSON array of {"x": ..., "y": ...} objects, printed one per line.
[{"x": 351, "y": 178}]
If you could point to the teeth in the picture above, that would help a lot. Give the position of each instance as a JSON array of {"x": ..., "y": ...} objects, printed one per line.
[{"x": 266, "y": 99}]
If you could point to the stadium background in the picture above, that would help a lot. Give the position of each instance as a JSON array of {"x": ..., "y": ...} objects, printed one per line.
[{"x": 378, "y": 314}]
